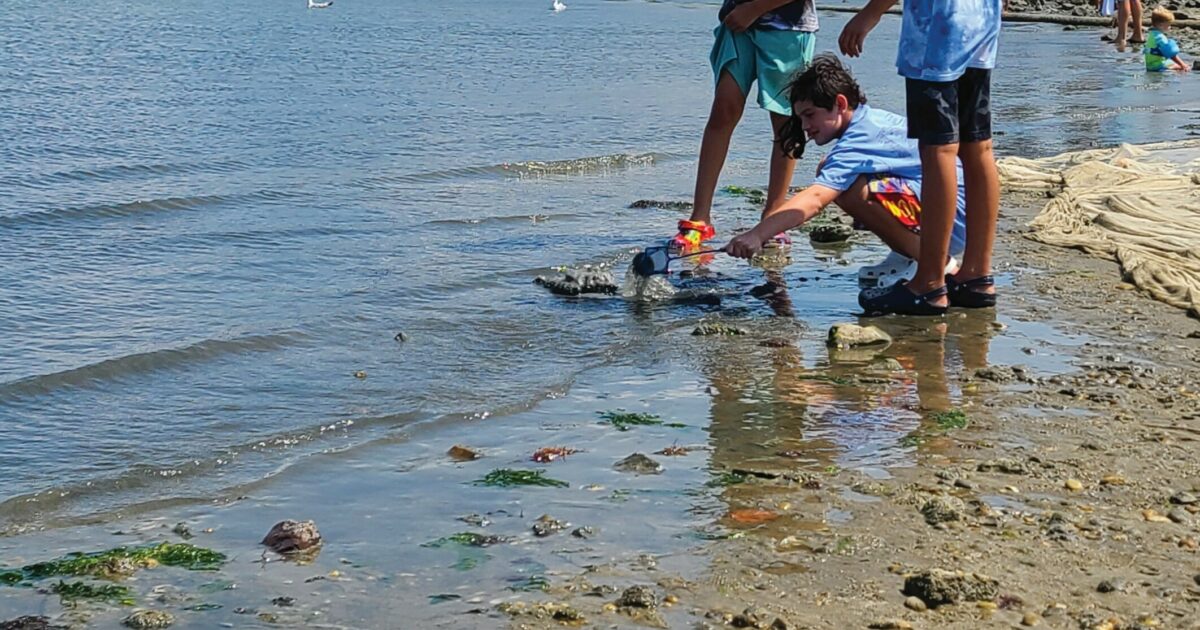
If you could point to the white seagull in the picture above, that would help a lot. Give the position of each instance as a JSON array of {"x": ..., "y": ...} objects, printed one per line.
[
  {"x": 319, "y": 5},
  {"x": 556, "y": 6}
]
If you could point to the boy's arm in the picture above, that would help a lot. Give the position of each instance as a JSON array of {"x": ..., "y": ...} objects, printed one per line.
[
  {"x": 744, "y": 15},
  {"x": 1180, "y": 63},
  {"x": 797, "y": 211},
  {"x": 857, "y": 29}
]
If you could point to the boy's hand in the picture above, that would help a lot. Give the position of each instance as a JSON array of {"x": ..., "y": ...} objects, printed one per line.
[
  {"x": 742, "y": 17},
  {"x": 855, "y": 33},
  {"x": 746, "y": 245}
]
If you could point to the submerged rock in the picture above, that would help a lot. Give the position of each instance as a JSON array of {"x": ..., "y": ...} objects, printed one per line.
[
  {"x": 853, "y": 335},
  {"x": 943, "y": 510},
  {"x": 461, "y": 453},
  {"x": 642, "y": 204},
  {"x": 546, "y": 525},
  {"x": 831, "y": 233},
  {"x": 717, "y": 328},
  {"x": 292, "y": 536},
  {"x": 580, "y": 281},
  {"x": 638, "y": 464},
  {"x": 937, "y": 587},
  {"x": 146, "y": 619}
]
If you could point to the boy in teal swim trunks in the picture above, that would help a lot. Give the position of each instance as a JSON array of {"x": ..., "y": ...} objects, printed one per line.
[
  {"x": 872, "y": 171},
  {"x": 1162, "y": 52},
  {"x": 767, "y": 41}
]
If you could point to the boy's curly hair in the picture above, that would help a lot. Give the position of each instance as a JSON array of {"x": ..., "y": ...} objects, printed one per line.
[
  {"x": 1162, "y": 15},
  {"x": 819, "y": 84}
]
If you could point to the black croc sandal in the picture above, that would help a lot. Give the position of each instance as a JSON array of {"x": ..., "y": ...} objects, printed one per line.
[
  {"x": 900, "y": 300},
  {"x": 964, "y": 295}
]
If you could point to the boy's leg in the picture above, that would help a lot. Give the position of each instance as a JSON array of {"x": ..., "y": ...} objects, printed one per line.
[
  {"x": 782, "y": 168},
  {"x": 728, "y": 103},
  {"x": 980, "y": 175},
  {"x": 939, "y": 202},
  {"x": 858, "y": 202}
]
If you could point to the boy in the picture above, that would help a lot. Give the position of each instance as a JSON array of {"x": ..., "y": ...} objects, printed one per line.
[
  {"x": 873, "y": 171},
  {"x": 946, "y": 53},
  {"x": 764, "y": 40},
  {"x": 1159, "y": 48}
]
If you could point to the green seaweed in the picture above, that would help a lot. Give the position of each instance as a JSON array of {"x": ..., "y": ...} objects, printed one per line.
[
  {"x": 726, "y": 479},
  {"x": 113, "y": 561},
  {"x": 752, "y": 194},
  {"x": 622, "y": 419},
  {"x": 953, "y": 419},
  {"x": 467, "y": 539},
  {"x": 507, "y": 477},
  {"x": 530, "y": 584},
  {"x": 82, "y": 590}
]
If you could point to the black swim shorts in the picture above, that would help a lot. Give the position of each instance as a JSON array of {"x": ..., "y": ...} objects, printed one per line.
[{"x": 953, "y": 111}]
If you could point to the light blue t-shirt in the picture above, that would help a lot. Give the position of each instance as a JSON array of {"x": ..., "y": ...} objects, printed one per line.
[
  {"x": 940, "y": 39},
  {"x": 876, "y": 142}
]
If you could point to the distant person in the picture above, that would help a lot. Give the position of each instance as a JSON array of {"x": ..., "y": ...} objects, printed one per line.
[
  {"x": 1162, "y": 52},
  {"x": 946, "y": 53},
  {"x": 767, "y": 41},
  {"x": 1129, "y": 11},
  {"x": 872, "y": 171}
]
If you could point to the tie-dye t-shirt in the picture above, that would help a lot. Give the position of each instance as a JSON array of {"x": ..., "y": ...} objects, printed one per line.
[
  {"x": 800, "y": 15},
  {"x": 940, "y": 39}
]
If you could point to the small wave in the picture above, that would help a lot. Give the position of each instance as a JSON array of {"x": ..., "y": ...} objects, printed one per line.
[
  {"x": 140, "y": 363},
  {"x": 132, "y": 208},
  {"x": 577, "y": 166},
  {"x": 122, "y": 172},
  {"x": 501, "y": 220}
]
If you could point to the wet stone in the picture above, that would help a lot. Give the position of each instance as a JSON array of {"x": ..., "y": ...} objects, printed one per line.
[
  {"x": 29, "y": 622},
  {"x": 996, "y": 374},
  {"x": 584, "y": 532},
  {"x": 546, "y": 525},
  {"x": 638, "y": 464},
  {"x": 1111, "y": 586},
  {"x": 943, "y": 510},
  {"x": 476, "y": 520},
  {"x": 580, "y": 281},
  {"x": 461, "y": 453},
  {"x": 757, "y": 618},
  {"x": 853, "y": 335},
  {"x": 1180, "y": 516},
  {"x": 642, "y": 204},
  {"x": 937, "y": 587},
  {"x": 284, "y": 602},
  {"x": 148, "y": 619},
  {"x": 831, "y": 233},
  {"x": 716, "y": 328},
  {"x": 182, "y": 530},
  {"x": 292, "y": 536},
  {"x": 638, "y": 597}
]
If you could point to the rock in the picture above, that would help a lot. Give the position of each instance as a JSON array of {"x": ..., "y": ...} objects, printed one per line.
[
  {"x": 996, "y": 374},
  {"x": 891, "y": 624},
  {"x": 29, "y": 622},
  {"x": 1195, "y": 334},
  {"x": 915, "y": 603},
  {"x": 284, "y": 602},
  {"x": 145, "y": 619},
  {"x": 461, "y": 453},
  {"x": 360, "y": 374},
  {"x": 292, "y": 536},
  {"x": 1070, "y": 27},
  {"x": 1196, "y": 579},
  {"x": 853, "y": 335},
  {"x": 757, "y": 618},
  {"x": 1111, "y": 586},
  {"x": 580, "y": 281},
  {"x": 937, "y": 587},
  {"x": 1152, "y": 516},
  {"x": 476, "y": 520},
  {"x": 1005, "y": 465},
  {"x": 716, "y": 328},
  {"x": 642, "y": 204},
  {"x": 1180, "y": 516},
  {"x": 1184, "y": 498},
  {"x": 638, "y": 597},
  {"x": 638, "y": 464},
  {"x": 584, "y": 532},
  {"x": 943, "y": 510},
  {"x": 1030, "y": 619},
  {"x": 546, "y": 525},
  {"x": 831, "y": 233},
  {"x": 1112, "y": 480},
  {"x": 1074, "y": 485},
  {"x": 401, "y": 337}
]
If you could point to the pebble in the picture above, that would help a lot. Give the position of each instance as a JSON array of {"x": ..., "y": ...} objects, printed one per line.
[
  {"x": 1152, "y": 516},
  {"x": 1074, "y": 485},
  {"x": 915, "y": 603},
  {"x": 1184, "y": 498},
  {"x": 360, "y": 374},
  {"x": 1030, "y": 619},
  {"x": 1110, "y": 586},
  {"x": 1179, "y": 516},
  {"x": 1112, "y": 480},
  {"x": 893, "y": 624}
]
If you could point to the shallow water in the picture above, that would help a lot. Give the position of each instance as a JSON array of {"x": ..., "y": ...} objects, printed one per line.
[{"x": 213, "y": 216}]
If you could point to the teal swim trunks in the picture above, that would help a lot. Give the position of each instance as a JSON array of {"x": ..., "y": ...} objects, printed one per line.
[{"x": 771, "y": 57}]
